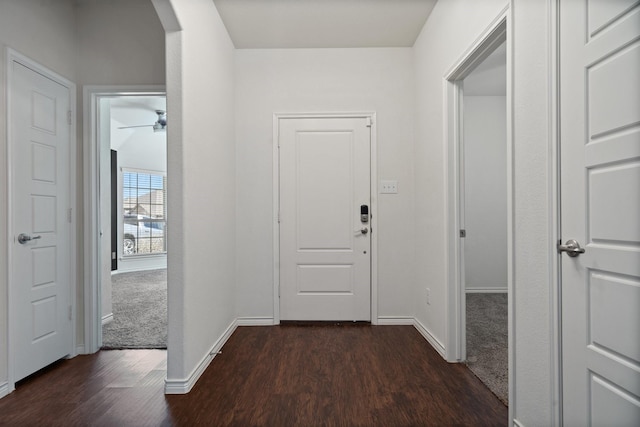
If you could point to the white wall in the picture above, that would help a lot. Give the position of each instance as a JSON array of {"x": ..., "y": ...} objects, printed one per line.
[
  {"x": 452, "y": 27},
  {"x": 144, "y": 150},
  {"x": 201, "y": 183},
  {"x": 120, "y": 42},
  {"x": 534, "y": 281},
  {"x": 323, "y": 80},
  {"x": 485, "y": 194},
  {"x": 45, "y": 32}
]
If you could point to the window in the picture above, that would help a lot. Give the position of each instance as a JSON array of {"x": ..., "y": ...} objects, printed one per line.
[{"x": 145, "y": 213}]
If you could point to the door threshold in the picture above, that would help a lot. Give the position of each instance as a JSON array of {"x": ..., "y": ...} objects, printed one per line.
[{"x": 320, "y": 323}]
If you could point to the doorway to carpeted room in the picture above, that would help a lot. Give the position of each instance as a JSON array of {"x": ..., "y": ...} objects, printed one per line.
[{"x": 139, "y": 311}]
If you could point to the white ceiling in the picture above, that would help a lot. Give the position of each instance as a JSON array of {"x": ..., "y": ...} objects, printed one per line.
[
  {"x": 490, "y": 76},
  {"x": 254, "y": 24},
  {"x": 134, "y": 111},
  {"x": 320, "y": 24}
]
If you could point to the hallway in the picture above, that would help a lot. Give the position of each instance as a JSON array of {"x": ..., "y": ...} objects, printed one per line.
[{"x": 270, "y": 376}]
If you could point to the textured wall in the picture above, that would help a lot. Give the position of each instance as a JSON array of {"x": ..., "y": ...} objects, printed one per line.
[{"x": 324, "y": 80}]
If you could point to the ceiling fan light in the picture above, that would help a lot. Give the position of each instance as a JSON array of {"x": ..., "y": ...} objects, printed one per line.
[{"x": 161, "y": 124}]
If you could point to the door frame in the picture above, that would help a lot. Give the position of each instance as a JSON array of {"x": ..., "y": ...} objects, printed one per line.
[
  {"x": 11, "y": 57},
  {"x": 496, "y": 33},
  {"x": 371, "y": 116},
  {"x": 92, "y": 95}
]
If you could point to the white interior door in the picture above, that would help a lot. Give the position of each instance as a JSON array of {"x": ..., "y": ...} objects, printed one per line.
[
  {"x": 600, "y": 190},
  {"x": 40, "y": 277},
  {"x": 325, "y": 247}
]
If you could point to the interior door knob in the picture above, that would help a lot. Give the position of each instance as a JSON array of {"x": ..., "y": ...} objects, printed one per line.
[
  {"x": 572, "y": 248},
  {"x": 24, "y": 238},
  {"x": 363, "y": 230}
]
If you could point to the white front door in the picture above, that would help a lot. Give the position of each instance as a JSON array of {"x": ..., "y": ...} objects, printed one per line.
[
  {"x": 325, "y": 247},
  {"x": 600, "y": 204},
  {"x": 40, "y": 278}
]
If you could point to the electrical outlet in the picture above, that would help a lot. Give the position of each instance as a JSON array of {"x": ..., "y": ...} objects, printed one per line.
[{"x": 428, "y": 296}]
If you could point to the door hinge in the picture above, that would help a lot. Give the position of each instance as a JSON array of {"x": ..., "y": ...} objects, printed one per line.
[
  {"x": 69, "y": 117},
  {"x": 463, "y": 233},
  {"x": 369, "y": 122},
  {"x": 70, "y": 312},
  {"x": 278, "y": 217},
  {"x": 70, "y": 215}
]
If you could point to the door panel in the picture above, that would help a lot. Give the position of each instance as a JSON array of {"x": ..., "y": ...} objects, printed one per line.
[
  {"x": 603, "y": 13},
  {"x": 324, "y": 257},
  {"x": 604, "y": 204},
  {"x": 40, "y": 279},
  {"x": 600, "y": 204},
  {"x": 613, "y": 313},
  {"x": 324, "y": 200}
]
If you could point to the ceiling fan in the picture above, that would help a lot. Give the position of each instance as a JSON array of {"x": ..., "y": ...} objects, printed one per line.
[{"x": 159, "y": 126}]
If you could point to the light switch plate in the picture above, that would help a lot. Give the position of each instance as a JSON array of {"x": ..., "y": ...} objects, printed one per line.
[{"x": 388, "y": 187}]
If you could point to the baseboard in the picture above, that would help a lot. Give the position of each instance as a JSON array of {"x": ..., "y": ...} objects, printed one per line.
[
  {"x": 517, "y": 423},
  {"x": 397, "y": 320},
  {"x": 184, "y": 386},
  {"x": 106, "y": 319},
  {"x": 4, "y": 389},
  {"x": 255, "y": 321},
  {"x": 80, "y": 349},
  {"x": 487, "y": 290},
  {"x": 435, "y": 343}
]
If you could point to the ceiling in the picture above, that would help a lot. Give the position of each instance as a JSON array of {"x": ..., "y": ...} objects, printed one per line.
[
  {"x": 320, "y": 24},
  {"x": 134, "y": 111},
  {"x": 254, "y": 24}
]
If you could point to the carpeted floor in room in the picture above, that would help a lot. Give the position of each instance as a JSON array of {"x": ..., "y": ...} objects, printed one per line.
[
  {"x": 139, "y": 311},
  {"x": 487, "y": 340}
]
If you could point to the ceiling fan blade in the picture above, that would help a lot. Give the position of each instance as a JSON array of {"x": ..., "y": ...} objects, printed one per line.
[
  {"x": 138, "y": 126},
  {"x": 159, "y": 126}
]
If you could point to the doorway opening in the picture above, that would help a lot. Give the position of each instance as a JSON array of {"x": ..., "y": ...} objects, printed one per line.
[
  {"x": 134, "y": 295},
  {"x": 480, "y": 209},
  {"x": 483, "y": 211},
  {"x": 126, "y": 218}
]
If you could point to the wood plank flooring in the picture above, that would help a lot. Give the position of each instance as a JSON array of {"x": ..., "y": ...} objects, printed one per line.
[{"x": 296, "y": 375}]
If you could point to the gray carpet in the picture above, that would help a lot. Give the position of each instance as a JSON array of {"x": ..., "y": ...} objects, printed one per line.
[
  {"x": 139, "y": 311},
  {"x": 487, "y": 354}
]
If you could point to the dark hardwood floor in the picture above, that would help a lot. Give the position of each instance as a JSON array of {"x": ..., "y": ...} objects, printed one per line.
[{"x": 292, "y": 375}]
